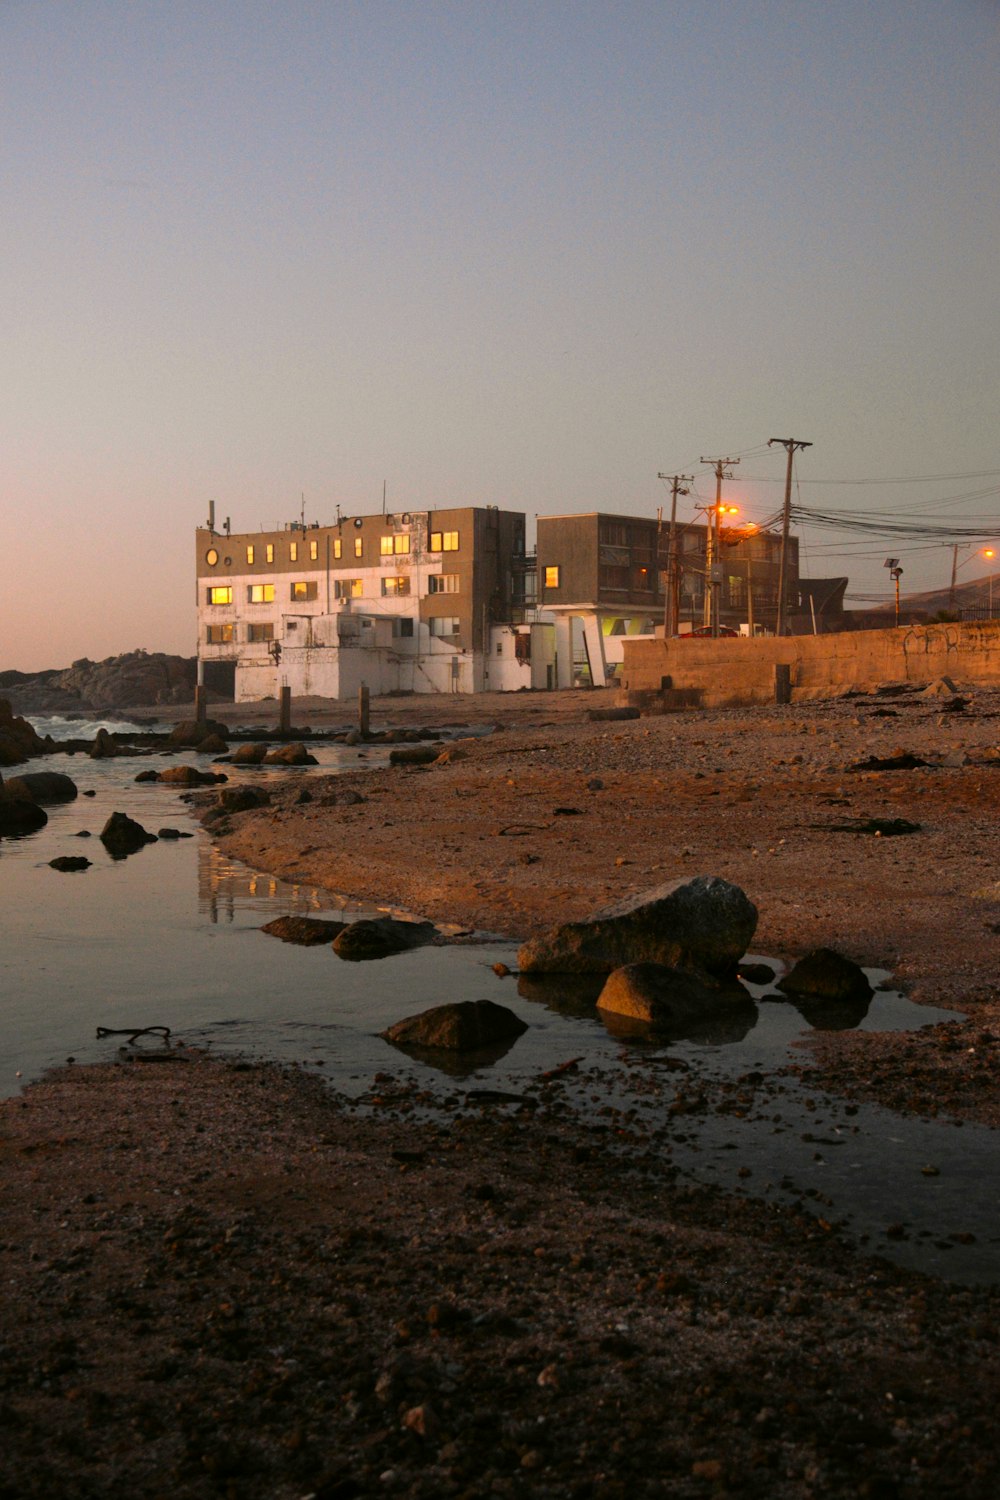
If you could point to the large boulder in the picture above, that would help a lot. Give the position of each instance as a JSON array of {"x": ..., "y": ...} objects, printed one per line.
[
  {"x": 705, "y": 923},
  {"x": 825, "y": 974},
  {"x": 42, "y": 786},
  {"x": 381, "y": 938},
  {"x": 468, "y": 1026},
  {"x": 122, "y": 836}
]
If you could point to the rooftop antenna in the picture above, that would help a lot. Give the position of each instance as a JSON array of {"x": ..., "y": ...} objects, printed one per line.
[
  {"x": 383, "y": 499},
  {"x": 211, "y": 516},
  {"x": 303, "y": 510}
]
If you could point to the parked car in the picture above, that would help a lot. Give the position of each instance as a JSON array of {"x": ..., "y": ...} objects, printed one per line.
[{"x": 706, "y": 630}]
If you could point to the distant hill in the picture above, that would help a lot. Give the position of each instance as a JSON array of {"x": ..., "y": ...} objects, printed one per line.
[{"x": 970, "y": 598}]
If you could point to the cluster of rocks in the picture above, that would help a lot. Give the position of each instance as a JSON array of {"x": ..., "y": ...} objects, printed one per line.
[
  {"x": 136, "y": 677},
  {"x": 18, "y": 739}
]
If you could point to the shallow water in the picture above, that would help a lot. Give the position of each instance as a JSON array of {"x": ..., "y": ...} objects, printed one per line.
[{"x": 171, "y": 936}]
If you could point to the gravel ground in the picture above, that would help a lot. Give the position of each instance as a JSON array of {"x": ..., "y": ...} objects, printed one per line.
[{"x": 223, "y": 1280}]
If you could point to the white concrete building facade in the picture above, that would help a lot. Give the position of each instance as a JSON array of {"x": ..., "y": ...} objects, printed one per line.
[{"x": 409, "y": 602}]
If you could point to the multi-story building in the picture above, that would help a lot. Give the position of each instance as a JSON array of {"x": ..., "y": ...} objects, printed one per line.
[
  {"x": 417, "y": 601},
  {"x": 606, "y": 575}
]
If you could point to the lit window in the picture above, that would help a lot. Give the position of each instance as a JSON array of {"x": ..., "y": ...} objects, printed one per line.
[
  {"x": 260, "y": 593},
  {"x": 293, "y": 551},
  {"x": 222, "y": 594},
  {"x": 385, "y": 546},
  {"x": 444, "y": 541},
  {"x": 551, "y": 578},
  {"x": 443, "y": 625},
  {"x": 442, "y": 583},
  {"x": 211, "y": 557},
  {"x": 347, "y": 588},
  {"x": 338, "y": 547},
  {"x": 250, "y": 554},
  {"x": 269, "y": 552},
  {"x": 313, "y": 551},
  {"x": 395, "y": 586},
  {"x": 264, "y": 632},
  {"x": 359, "y": 546},
  {"x": 219, "y": 635},
  {"x": 401, "y": 542},
  {"x": 301, "y": 591}
]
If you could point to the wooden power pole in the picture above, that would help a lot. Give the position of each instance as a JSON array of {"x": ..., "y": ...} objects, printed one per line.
[
  {"x": 789, "y": 445},
  {"x": 713, "y": 585},
  {"x": 670, "y": 599}
]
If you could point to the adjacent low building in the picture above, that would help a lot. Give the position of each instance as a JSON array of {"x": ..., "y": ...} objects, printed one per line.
[
  {"x": 602, "y": 578},
  {"x": 418, "y": 601}
]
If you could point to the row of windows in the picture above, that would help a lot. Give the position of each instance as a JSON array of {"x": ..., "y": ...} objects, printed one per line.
[
  {"x": 396, "y": 545},
  {"x": 225, "y": 635},
  {"x": 343, "y": 588}
]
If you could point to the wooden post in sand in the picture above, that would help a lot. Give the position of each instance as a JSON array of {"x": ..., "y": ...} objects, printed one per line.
[
  {"x": 200, "y": 701},
  {"x": 363, "y": 720},
  {"x": 782, "y": 682},
  {"x": 285, "y": 718}
]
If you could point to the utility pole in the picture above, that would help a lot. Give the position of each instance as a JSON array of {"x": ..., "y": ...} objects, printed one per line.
[
  {"x": 670, "y": 599},
  {"x": 713, "y": 585},
  {"x": 789, "y": 445}
]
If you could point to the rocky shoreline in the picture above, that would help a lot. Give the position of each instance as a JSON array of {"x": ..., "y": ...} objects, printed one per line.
[{"x": 223, "y": 1280}]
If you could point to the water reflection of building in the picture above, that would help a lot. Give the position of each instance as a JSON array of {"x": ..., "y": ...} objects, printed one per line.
[{"x": 225, "y": 886}]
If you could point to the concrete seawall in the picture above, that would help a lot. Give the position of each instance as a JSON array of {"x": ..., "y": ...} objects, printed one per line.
[{"x": 716, "y": 673}]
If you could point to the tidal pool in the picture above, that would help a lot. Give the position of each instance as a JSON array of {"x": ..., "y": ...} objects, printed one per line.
[{"x": 171, "y": 937}]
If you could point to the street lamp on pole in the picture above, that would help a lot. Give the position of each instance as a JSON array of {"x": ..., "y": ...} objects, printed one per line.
[
  {"x": 989, "y": 553},
  {"x": 713, "y": 551}
]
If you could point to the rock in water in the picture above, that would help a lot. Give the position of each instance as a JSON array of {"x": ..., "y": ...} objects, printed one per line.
[
  {"x": 122, "y": 836},
  {"x": 307, "y": 931},
  {"x": 677, "y": 1002},
  {"x": 70, "y": 862},
  {"x": 825, "y": 974},
  {"x": 188, "y": 776},
  {"x": 42, "y": 786},
  {"x": 103, "y": 747},
  {"x": 191, "y": 733},
  {"x": 469, "y": 1026},
  {"x": 295, "y": 754},
  {"x": 248, "y": 755},
  {"x": 18, "y": 740},
  {"x": 705, "y": 922},
  {"x": 19, "y": 817},
  {"x": 381, "y": 938}
]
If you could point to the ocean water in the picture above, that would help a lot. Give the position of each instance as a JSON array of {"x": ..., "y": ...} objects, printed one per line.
[{"x": 172, "y": 937}]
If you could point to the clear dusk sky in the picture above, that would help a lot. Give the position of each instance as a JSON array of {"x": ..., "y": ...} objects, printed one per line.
[{"x": 526, "y": 253}]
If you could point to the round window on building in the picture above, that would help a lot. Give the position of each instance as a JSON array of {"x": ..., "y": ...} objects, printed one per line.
[
  {"x": 228, "y": 561},
  {"x": 211, "y": 557}
]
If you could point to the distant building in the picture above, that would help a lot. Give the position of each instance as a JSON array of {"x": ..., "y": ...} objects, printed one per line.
[
  {"x": 606, "y": 574},
  {"x": 418, "y": 601}
]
